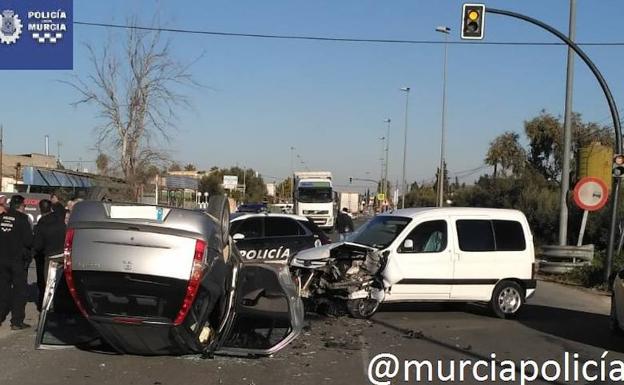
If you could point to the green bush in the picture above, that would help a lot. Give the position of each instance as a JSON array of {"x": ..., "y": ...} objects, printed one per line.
[{"x": 593, "y": 275}]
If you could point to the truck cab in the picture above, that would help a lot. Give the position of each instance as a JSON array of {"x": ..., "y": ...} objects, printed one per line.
[{"x": 314, "y": 198}]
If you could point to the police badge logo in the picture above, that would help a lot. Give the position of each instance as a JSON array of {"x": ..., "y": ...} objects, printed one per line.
[{"x": 10, "y": 27}]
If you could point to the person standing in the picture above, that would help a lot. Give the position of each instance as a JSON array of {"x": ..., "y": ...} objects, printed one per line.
[
  {"x": 48, "y": 240},
  {"x": 15, "y": 256},
  {"x": 58, "y": 208},
  {"x": 344, "y": 224},
  {"x": 2, "y": 204}
]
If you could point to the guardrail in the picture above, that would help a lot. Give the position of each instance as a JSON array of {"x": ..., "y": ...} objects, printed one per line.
[{"x": 562, "y": 259}]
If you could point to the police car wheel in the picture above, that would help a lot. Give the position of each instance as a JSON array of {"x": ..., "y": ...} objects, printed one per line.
[{"x": 362, "y": 308}]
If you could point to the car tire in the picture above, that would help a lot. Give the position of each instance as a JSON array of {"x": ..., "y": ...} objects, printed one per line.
[
  {"x": 507, "y": 299},
  {"x": 615, "y": 323},
  {"x": 362, "y": 308},
  {"x": 219, "y": 208}
]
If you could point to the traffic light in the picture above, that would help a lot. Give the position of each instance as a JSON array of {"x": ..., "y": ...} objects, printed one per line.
[
  {"x": 350, "y": 180},
  {"x": 618, "y": 166},
  {"x": 473, "y": 21}
]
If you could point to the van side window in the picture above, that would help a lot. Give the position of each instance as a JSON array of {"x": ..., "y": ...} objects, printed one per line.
[
  {"x": 427, "y": 237},
  {"x": 475, "y": 235},
  {"x": 509, "y": 236}
]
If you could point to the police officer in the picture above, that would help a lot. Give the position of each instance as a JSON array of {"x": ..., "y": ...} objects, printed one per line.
[
  {"x": 15, "y": 255},
  {"x": 48, "y": 241},
  {"x": 344, "y": 223}
]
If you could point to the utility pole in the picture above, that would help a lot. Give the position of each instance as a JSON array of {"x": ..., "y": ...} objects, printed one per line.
[
  {"x": 58, "y": 152},
  {"x": 403, "y": 182},
  {"x": 441, "y": 177},
  {"x": 567, "y": 132}
]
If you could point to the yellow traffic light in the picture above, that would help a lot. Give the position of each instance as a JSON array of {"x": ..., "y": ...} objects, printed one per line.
[{"x": 473, "y": 21}]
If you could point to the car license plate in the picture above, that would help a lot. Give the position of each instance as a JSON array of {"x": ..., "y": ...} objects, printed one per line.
[{"x": 138, "y": 212}]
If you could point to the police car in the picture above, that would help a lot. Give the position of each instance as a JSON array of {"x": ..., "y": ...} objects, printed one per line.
[{"x": 270, "y": 237}]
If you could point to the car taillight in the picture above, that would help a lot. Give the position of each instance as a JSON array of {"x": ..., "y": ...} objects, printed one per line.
[
  {"x": 69, "y": 277},
  {"x": 194, "y": 281}
]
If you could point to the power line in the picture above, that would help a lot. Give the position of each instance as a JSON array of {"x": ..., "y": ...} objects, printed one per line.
[{"x": 333, "y": 39}]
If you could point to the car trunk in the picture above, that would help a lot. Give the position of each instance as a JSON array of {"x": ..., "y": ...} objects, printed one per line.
[{"x": 131, "y": 273}]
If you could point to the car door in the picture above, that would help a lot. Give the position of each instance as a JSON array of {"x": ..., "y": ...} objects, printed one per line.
[
  {"x": 267, "y": 313},
  {"x": 424, "y": 258},
  {"x": 488, "y": 250},
  {"x": 60, "y": 322},
  {"x": 248, "y": 234},
  {"x": 284, "y": 237}
]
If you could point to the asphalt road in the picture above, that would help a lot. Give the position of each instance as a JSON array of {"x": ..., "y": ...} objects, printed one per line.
[{"x": 558, "y": 319}]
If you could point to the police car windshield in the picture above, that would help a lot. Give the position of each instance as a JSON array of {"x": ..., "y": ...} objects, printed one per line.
[
  {"x": 380, "y": 231},
  {"x": 315, "y": 194}
]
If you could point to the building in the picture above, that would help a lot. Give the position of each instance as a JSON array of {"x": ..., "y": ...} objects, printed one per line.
[{"x": 13, "y": 166}]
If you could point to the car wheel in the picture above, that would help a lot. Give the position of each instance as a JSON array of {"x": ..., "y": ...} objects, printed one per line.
[
  {"x": 615, "y": 322},
  {"x": 362, "y": 307},
  {"x": 507, "y": 299}
]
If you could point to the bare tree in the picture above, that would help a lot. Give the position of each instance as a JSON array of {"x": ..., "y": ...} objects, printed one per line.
[{"x": 134, "y": 89}]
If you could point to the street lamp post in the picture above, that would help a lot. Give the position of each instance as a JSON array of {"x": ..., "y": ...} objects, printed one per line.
[
  {"x": 381, "y": 160},
  {"x": 403, "y": 184},
  {"x": 387, "y": 121},
  {"x": 292, "y": 174},
  {"x": 445, "y": 30}
]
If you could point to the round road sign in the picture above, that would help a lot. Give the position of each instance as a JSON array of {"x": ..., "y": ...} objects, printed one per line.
[{"x": 591, "y": 193}]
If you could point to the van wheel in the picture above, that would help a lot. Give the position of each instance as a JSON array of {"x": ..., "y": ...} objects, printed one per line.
[
  {"x": 362, "y": 307},
  {"x": 507, "y": 299},
  {"x": 615, "y": 323}
]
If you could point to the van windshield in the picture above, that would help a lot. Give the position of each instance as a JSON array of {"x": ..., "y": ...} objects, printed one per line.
[{"x": 380, "y": 231}]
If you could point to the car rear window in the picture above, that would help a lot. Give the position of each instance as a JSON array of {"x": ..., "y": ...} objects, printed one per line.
[
  {"x": 314, "y": 229},
  {"x": 509, "y": 235},
  {"x": 282, "y": 227}
]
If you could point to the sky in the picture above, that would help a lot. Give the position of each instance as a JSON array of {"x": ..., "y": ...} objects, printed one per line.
[{"x": 329, "y": 100}]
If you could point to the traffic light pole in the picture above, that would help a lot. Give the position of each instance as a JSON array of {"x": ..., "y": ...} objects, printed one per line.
[{"x": 614, "y": 115}]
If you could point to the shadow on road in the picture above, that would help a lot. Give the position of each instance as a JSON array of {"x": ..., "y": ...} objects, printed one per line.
[
  {"x": 448, "y": 346},
  {"x": 583, "y": 327},
  {"x": 577, "y": 326},
  {"x": 472, "y": 308}
]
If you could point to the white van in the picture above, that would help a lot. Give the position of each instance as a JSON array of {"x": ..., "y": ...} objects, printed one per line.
[{"x": 441, "y": 254}]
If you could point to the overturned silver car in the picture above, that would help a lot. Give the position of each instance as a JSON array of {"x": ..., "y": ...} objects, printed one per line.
[{"x": 155, "y": 280}]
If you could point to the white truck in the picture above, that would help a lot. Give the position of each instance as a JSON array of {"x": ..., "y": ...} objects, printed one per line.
[
  {"x": 350, "y": 200},
  {"x": 314, "y": 197}
]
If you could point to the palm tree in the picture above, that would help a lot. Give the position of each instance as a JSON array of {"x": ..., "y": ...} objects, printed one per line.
[{"x": 505, "y": 150}]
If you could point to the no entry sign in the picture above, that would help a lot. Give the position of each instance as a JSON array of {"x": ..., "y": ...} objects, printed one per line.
[{"x": 591, "y": 194}]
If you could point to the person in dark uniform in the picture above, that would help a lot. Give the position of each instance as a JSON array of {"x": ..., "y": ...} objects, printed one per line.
[
  {"x": 344, "y": 224},
  {"x": 58, "y": 208},
  {"x": 15, "y": 256},
  {"x": 48, "y": 241}
]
